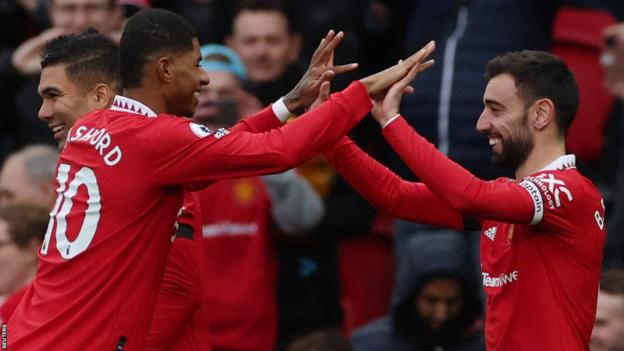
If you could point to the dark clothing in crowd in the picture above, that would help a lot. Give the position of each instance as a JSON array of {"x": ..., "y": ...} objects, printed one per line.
[{"x": 430, "y": 256}]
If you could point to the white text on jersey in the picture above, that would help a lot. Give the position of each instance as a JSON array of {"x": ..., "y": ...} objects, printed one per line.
[
  {"x": 101, "y": 140},
  {"x": 502, "y": 279}
]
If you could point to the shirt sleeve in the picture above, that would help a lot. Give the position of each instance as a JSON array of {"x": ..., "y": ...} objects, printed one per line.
[
  {"x": 456, "y": 186},
  {"x": 262, "y": 121},
  {"x": 183, "y": 152},
  {"x": 387, "y": 192},
  {"x": 180, "y": 292}
]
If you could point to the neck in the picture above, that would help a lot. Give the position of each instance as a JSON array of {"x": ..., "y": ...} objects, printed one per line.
[
  {"x": 150, "y": 99},
  {"x": 542, "y": 155}
]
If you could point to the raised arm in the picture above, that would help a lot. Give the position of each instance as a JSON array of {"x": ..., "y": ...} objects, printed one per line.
[
  {"x": 457, "y": 187},
  {"x": 387, "y": 192},
  {"x": 194, "y": 155}
]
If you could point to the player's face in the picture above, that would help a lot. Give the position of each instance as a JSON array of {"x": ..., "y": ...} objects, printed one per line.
[
  {"x": 188, "y": 81},
  {"x": 608, "y": 332},
  {"x": 505, "y": 121},
  {"x": 64, "y": 101},
  {"x": 440, "y": 302},
  {"x": 217, "y": 101},
  {"x": 77, "y": 15},
  {"x": 15, "y": 262},
  {"x": 264, "y": 44}
]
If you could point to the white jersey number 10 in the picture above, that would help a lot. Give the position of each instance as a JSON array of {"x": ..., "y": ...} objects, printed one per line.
[{"x": 62, "y": 207}]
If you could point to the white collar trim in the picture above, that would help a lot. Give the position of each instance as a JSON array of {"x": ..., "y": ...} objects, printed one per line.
[
  {"x": 561, "y": 163},
  {"x": 122, "y": 103}
]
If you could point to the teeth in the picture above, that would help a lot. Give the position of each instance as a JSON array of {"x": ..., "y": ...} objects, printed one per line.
[
  {"x": 57, "y": 129},
  {"x": 494, "y": 141}
]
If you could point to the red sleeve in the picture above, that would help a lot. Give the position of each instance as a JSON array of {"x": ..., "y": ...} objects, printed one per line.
[
  {"x": 192, "y": 154},
  {"x": 180, "y": 295},
  {"x": 387, "y": 192},
  {"x": 502, "y": 201},
  {"x": 262, "y": 121}
]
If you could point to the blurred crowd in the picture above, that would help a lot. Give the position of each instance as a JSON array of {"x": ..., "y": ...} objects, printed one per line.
[{"x": 298, "y": 260}]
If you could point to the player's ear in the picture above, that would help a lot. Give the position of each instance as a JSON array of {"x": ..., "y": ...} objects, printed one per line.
[
  {"x": 543, "y": 113},
  {"x": 103, "y": 95},
  {"x": 164, "y": 69}
]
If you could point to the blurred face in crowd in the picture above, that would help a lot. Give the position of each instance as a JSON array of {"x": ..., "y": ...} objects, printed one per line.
[
  {"x": 505, "y": 121},
  {"x": 17, "y": 187},
  {"x": 16, "y": 263},
  {"x": 77, "y": 15},
  {"x": 64, "y": 101},
  {"x": 440, "y": 302},
  {"x": 608, "y": 332},
  {"x": 263, "y": 41},
  {"x": 217, "y": 100}
]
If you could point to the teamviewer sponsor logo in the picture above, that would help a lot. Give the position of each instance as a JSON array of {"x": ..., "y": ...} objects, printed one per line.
[{"x": 500, "y": 280}]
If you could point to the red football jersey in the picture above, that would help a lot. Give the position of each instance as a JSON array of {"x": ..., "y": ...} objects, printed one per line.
[
  {"x": 241, "y": 265},
  {"x": 541, "y": 244},
  {"x": 120, "y": 184},
  {"x": 181, "y": 321}
]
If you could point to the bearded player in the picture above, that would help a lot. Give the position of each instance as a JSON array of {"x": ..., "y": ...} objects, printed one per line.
[{"x": 543, "y": 232}]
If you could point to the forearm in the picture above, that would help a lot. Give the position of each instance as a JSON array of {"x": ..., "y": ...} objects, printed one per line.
[
  {"x": 455, "y": 185},
  {"x": 387, "y": 192},
  {"x": 225, "y": 154}
]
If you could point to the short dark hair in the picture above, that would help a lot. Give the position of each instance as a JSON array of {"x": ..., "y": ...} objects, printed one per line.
[
  {"x": 90, "y": 58},
  {"x": 264, "y": 6},
  {"x": 539, "y": 74},
  {"x": 612, "y": 282},
  {"x": 150, "y": 32},
  {"x": 25, "y": 222}
]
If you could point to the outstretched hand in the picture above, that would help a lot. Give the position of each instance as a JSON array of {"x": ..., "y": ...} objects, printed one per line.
[
  {"x": 378, "y": 84},
  {"x": 321, "y": 69},
  {"x": 387, "y": 106}
]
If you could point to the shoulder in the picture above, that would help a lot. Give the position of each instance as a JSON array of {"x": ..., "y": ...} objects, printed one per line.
[{"x": 376, "y": 335}]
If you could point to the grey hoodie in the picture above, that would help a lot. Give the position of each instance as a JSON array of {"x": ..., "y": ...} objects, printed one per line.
[{"x": 430, "y": 255}]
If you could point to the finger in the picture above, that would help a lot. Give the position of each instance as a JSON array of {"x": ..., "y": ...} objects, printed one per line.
[
  {"x": 343, "y": 68},
  {"x": 322, "y": 45},
  {"x": 408, "y": 90},
  {"x": 421, "y": 54},
  {"x": 325, "y": 77},
  {"x": 324, "y": 91},
  {"x": 329, "y": 48},
  {"x": 425, "y": 65},
  {"x": 330, "y": 60}
]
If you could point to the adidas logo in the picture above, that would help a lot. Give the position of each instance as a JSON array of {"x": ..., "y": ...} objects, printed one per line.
[{"x": 490, "y": 233}]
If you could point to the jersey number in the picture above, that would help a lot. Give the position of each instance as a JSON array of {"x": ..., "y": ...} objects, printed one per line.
[{"x": 62, "y": 207}]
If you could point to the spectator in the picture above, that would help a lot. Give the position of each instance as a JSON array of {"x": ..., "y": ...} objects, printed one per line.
[
  {"x": 435, "y": 306},
  {"x": 27, "y": 176},
  {"x": 608, "y": 333},
  {"x": 241, "y": 262},
  {"x": 323, "y": 340},
  {"x": 20, "y": 68},
  {"x": 262, "y": 35},
  {"x": 613, "y": 61},
  {"x": 22, "y": 227}
]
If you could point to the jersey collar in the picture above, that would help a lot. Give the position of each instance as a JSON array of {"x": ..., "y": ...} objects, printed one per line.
[
  {"x": 561, "y": 163},
  {"x": 122, "y": 103}
]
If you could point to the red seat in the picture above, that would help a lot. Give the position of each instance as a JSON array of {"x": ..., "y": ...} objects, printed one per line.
[
  {"x": 578, "y": 40},
  {"x": 366, "y": 269}
]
